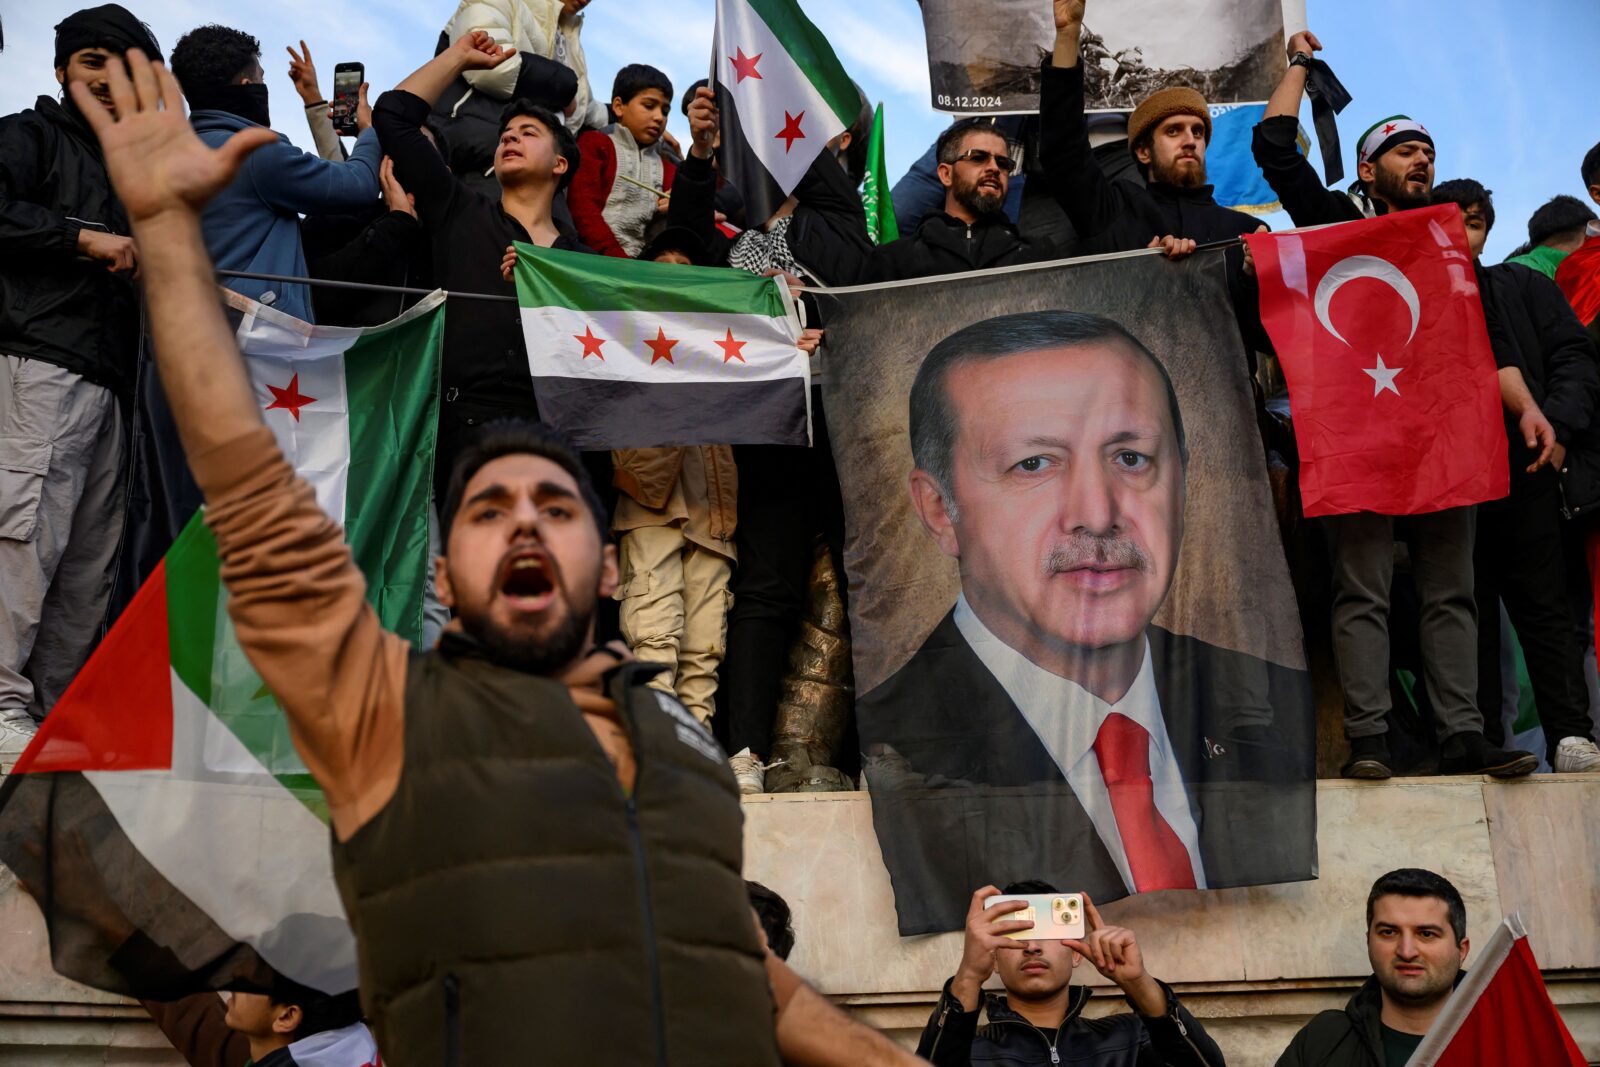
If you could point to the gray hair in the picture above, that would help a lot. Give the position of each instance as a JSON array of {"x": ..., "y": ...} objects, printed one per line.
[{"x": 933, "y": 421}]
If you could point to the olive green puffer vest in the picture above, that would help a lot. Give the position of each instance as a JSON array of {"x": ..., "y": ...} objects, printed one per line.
[{"x": 512, "y": 906}]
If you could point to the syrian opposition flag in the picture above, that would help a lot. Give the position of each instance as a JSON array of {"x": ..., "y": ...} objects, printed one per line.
[
  {"x": 161, "y": 818},
  {"x": 630, "y": 354},
  {"x": 783, "y": 96},
  {"x": 1500, "y": 1015},
  {"x": 1392, "y": 383}
]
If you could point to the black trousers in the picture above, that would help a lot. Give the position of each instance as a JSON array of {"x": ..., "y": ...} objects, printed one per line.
[
  {"x": 1520, "y": 561},
  {"x": 787, "y": 497}
]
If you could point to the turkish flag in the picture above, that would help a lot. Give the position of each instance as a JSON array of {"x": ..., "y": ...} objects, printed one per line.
[
  {"x": 1392, "y": 382},
  {"x": 1500, "y": 1015},
  {"x": 1579, "y": 278}
]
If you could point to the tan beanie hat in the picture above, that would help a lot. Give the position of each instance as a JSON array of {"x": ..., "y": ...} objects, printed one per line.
[{"x": 1163, "y": 104}]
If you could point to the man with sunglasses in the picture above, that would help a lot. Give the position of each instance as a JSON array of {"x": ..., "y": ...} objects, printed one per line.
[
  {"x": 972, "y": 232},
  {"x": 1168, "y": 134}
]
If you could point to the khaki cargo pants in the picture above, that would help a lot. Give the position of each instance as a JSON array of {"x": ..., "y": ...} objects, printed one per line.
[
  {"x": 60, "y": 522},
  {"x": 674, "y": 596}
]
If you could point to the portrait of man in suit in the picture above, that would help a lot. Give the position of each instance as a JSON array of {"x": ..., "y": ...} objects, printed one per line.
[{"x": 1047, "y": 718}]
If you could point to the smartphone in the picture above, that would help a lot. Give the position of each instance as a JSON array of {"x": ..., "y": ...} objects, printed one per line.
[
  {"x": 1055, "y": 916},
  {"x": 347, "y": 79}
]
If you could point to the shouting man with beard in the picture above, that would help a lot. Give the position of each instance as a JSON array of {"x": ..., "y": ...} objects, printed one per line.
[
  {"x": 1394, "y": 172},
  {"x": 540, "y": 856},
  {"x": 1394, "y": 160}
]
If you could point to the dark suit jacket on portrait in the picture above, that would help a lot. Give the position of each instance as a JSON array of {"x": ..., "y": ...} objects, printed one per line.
[{"x": 969, "y": 796}]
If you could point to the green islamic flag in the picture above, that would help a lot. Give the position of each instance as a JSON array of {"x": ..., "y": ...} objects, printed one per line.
[{"x": 881, "y": 226}]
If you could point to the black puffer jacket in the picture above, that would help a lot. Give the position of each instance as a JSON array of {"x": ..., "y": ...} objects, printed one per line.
[
  {"x": 1176, "y": 1039},
  {"x": 54, "y": 305},
  {"x": 1347, "y": 1038}
]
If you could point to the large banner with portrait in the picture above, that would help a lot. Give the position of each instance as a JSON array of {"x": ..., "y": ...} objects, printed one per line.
[
  {"x": 1077, "y": 652},
  {"x": 984, "y": 55}
]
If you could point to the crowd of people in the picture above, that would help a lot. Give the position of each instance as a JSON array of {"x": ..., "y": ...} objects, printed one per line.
[{"x": 118, "y": 199}]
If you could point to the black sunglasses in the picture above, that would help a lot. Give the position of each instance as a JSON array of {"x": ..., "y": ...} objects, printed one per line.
[{"x": 981, "y": 156}]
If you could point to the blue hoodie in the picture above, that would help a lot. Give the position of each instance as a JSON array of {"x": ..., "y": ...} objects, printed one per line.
[{"x": 254, "y": 224}]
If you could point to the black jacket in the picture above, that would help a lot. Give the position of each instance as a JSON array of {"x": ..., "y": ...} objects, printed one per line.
[
  {"x": 1347, "y": 1038},
  {"x": 1304, "y": 197},
  {"x": 975, "y": 797},
  {"x": 943, "y": 244},
  {"x": 1176, "y": 1039},
  {"x": 390, "y": 249},
  {"x": 828, "y": 236},
  {"x": 1119, "y": 216},
  {"x": 55, "y": 306},
  {"x": 485, "y": 359},
  {"x": 1558, "y": 360}
]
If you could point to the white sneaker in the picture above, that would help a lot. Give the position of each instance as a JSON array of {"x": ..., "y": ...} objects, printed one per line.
[
  {"x": 1574, "y": 755},
  {"x": 16, "y": 733},
  {"x": 748, "y": 772}
]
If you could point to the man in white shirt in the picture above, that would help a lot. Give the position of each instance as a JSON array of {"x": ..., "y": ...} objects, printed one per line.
[{"x": 1046, "y": 724}]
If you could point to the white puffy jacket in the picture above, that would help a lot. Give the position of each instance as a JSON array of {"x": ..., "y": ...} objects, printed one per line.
[{"x": 528, "y": 26}]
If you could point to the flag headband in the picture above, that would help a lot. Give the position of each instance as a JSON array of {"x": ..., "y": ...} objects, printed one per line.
[{"x": 1386, "y": 133}]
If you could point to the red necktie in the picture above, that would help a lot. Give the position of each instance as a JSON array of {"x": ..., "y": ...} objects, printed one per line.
[{"x": 1156, "y": 857}]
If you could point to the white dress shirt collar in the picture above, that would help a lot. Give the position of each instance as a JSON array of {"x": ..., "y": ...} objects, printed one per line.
[{"x": 1067, "y": 720}]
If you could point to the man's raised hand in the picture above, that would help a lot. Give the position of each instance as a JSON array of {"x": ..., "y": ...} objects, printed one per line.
[
  {"x": 1304, "y": 41},
  {"x": 1115, "y": 954},
  {"x": 477, "y": 50},
  {"x": 156, "y": 162},
  {"x": 983, "y": 936},
  {"x": 1069, "y": 14},
  {"x": 303, "y": 73},
  {"x": 704, "y": 121}
]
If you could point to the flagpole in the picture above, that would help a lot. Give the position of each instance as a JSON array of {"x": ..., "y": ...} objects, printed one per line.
[{"x": 1466, "y": 994}]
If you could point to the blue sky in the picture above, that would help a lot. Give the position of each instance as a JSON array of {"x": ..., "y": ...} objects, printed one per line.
[{"x": 1505, "y": 87}]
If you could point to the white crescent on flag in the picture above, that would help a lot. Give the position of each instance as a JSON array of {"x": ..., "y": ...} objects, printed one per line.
[{"x": 1353, "y": 267}]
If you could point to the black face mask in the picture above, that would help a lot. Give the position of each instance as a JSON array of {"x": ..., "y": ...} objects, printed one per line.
[{"x": 246, "y": 101}]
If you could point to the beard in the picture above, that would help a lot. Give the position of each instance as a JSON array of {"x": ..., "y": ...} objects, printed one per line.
[
  {"x": 542, "y": 653},
  {"x": 1392, "y": 187},
  {"x": 980, "y": 202},
  {"x": 1182, "y": 178}
]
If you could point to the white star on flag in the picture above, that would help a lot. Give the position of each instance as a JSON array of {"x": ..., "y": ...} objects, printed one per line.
[{"x": 1382, "y": 377}]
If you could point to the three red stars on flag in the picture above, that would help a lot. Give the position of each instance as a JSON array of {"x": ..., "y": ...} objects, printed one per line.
[{"x": 661, "y": 348}]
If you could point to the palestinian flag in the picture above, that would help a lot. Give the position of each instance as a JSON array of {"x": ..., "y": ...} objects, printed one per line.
[
  {"x": 1501, "y": 1014},
  {"x": 161, "y": 818},
  {"x": 628, "y": 354},
  {"x": 783, "y": 96}
]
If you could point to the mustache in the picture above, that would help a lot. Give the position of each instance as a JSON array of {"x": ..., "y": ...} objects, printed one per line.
[{"x": 1088, "y": 550}]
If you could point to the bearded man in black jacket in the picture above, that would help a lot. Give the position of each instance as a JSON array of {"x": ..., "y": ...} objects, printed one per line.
[{"x": 69, "y": 336}]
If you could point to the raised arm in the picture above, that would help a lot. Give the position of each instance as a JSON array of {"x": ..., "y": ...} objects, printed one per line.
[
  {"x": 694, "y": 189},
  {"x": 1285, "y": 99},
  {"x": 296, "y": 598},
  {"x": 472, "y": 51},
  {"x": 1088, "y": 197},
  {"x": 1274, "y": 144}
]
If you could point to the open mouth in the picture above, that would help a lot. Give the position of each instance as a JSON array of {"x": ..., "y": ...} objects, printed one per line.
[{"x": 527, "y": 581}]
